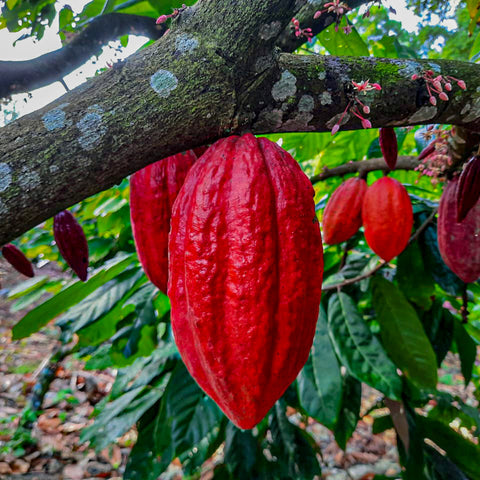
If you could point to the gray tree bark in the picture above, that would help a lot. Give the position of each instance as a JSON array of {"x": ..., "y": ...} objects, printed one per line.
[{"x": 217, "y": 72}]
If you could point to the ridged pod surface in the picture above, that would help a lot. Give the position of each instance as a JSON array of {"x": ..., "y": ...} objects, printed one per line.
[
  {"x": 459, "y": 243},
  {"x": 153, "y": 190},
  {"x": 468, "y": 191},
  {"x": 389, "y": 146},
  {"x": 246, "y": 266},
  {"x": 71, "y": 242},
  {"x": 17, "y": 259},
  {"x": 343, "y": 214},
  {"x": 387, "y": 217}
]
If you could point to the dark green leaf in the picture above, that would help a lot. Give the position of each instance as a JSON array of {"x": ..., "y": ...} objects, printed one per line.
[
  {"x": 240, "y": 451},
  {"x": 467, "y": 349},
  {"x": 380, "y": 424},
  {"x": 403, "y": 335},
  {"x": 349, "y": 411},
  {"x": 358, "y": 349},
  {"x": 320, "y": 381},
  {"x": 440, "y": 467}
]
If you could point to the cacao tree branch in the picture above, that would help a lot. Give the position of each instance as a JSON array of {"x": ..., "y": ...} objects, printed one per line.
[
  {"x": 191, "y": 87},
  {"x": 22, "y": 76},
  {"x": 362, "y": 167}
]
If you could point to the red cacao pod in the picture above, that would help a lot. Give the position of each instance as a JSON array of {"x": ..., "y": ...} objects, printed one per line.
[
  {"x": 17, "y": 259},
  {"x": 468, "y": 191},
  {"x": 153, "y": 190},
  {"x": 459, "y": 243},
  {"x": 343, "y": 214},
  {"x": 389, "y": 146},
  {"x": 71, "y": 243},
  {"x": 199, "y": 151},
  {"x": 387, "y": 217},
  {"x": 246, "y": 266},
  {"x": 428, "y": 150}
]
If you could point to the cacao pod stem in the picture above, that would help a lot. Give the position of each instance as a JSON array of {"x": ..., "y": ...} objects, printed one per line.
[
  {"x": 16, "y": 258},
  {"x": 71, "y": 242},
  {"x": 468, "y": 191},
  {"x": 389, "y": 146}
]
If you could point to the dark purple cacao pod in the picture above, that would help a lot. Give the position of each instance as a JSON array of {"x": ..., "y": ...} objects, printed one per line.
[
  {"x": 468, "y": 191},
  {"x": 389, "y": 146},
  {"x": 245, "y": 272},
  {"x": 459, "y": 242},
  {"x": 153, "y": 190},
  {"x": 71, "y": 243},
  {"x": 16, "y": 258}
]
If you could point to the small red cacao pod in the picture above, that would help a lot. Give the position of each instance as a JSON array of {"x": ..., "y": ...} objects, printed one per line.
[
  {"x": 17, "y": 259},
  {"x": 246, "y": 266},
  {"x": 428, "y": 150},
  {"x": 71, "y": 242},
  {"x": 468, "y": 191},
  {"x": 153, "y": 190},
  {"x": 343, "y": 214},
  {"x": 387, "y": 217},
  {"x": 459, "y": 243},
  {"x": 389, "y": 146}
]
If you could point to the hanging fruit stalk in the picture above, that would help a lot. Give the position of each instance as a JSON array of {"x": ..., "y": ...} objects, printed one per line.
[
  {"x": 17, "y": 259},
  {"x": 459, "y": 242},
  {"x": 343, "y": 214},
  {"x": 153, "y": 190},
  {"x": 389, "y": 146},
  {"x": 71, "y": 242},
  {"x": 468, "y": 191},
  {"x": 387, "y": 217},
  {"x": 245, "y": 267}
]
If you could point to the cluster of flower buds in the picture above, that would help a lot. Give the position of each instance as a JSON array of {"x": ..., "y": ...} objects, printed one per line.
[
  {"x": 438, "y": 85},
  {"x": 176, "y": 11},
  {"x": 339, "y": 9},
  {"x": 435, "y": 158},
  {"x": 302, "y": 32},
  {"x": 355, "y": 104}
]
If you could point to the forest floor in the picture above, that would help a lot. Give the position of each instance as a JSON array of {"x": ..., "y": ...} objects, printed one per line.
[{"x": 58, "y": 454}]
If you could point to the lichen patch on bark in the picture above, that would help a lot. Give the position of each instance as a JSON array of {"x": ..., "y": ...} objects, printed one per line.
[
  {"x": 92, "y": 128},
  {"x": 163, "y": 82},
  {"x": 285, "y": 87},
  {"x": 5, "y": 176}
]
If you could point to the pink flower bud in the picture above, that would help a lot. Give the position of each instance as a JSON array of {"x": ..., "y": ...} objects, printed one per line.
[
  {"x": 462, "y": 84},
  {"x": 366, "y": 109},
  {"x": 448, "y": 86},
  {"x": 443, "y": 96},
  {"x": 366, "y": 123},
  {"x": 414, "y": 76},
  {"x": 161, "y": 19},
  {"x": 437, "y": 85},
  {"x": 335, "y": 128},
  {"x": 317, "y": 14},
  {"x": 376, "y": 86},
  {"x": 433, "y": 100}
]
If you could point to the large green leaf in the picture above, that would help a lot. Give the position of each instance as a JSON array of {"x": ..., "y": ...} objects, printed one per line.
[
  {"x": 440, "y": 467},
  {"x": 467, "y": 349},
  {"x": 358, "y": 349},
  {"x": 337, "y": 42},
  {"x": 240, "y": 451},
  {"x": 413, "y": 279},
  {"x": 349, "y": 411},
  {"x": 461, "y": 451},
  {"x": 71, "y": 295},
  {"x": 403, "y": 335},
  {"x": 320, "y": 382}
]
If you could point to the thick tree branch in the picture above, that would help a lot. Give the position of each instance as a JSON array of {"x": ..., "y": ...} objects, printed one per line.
[
  {"x": 195, "y": 85},
  {"x": 22, "y": 76},
  {"x": 363, "y": 167}
]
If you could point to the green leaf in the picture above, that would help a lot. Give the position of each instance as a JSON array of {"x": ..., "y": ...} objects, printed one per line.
[
  {"x": 320, "y": 382},
  {"x": 349, "y": 411},
  {"x": 467, "y": 350},
  {"x": 240, "y": 451},
  {"x": 380, "y": 424},
  {"x": 413, "y": 279},
  {"x": 440, "y": 467},
  {"x": 403, "y": 335},
  {"x": 461, "y": 451},
  {"x": 358, "y": 349},
  {"x": 339, "y": 43},
  {"x": 71, "y": 295},
  {"x": 27, "y": 286}
]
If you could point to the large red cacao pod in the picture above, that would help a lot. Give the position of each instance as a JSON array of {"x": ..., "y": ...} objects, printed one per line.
[
  {"x": 459, "y": 243},
  {"x": 71, "y": 242},
  {"x": 343, "y": 214},
  {"x": 153, "y": 190},
  {"x": 17, "y": 259},
  {"x": 246, "y": 266},
  {"x": 389, "y": 146},
  {"x": 387, "y": 217},
  {"x": 468, "y": 191}
]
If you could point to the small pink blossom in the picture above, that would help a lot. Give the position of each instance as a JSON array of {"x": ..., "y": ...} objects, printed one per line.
[
  {"x": 161, "y": 19},
  {"x": 443, "y": 96}
]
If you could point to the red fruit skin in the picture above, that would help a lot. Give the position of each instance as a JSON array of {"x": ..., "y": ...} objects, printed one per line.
[
  {"x": 71, "y": 242},
  {"x": 459, "y": 243},
  {"x": 343, "y": 214},
  {"x": 387, "y": 217},
  {"x": 153, "y": 190},
  {"x": 199, "y": 151},
  {"x": 246, "y": 266},
  {"x": 389, "y": 146},
  {"x": 16, "y": 258},
  {"x": 468, "y": 191},
  {"x": 428, "y": 150}
]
